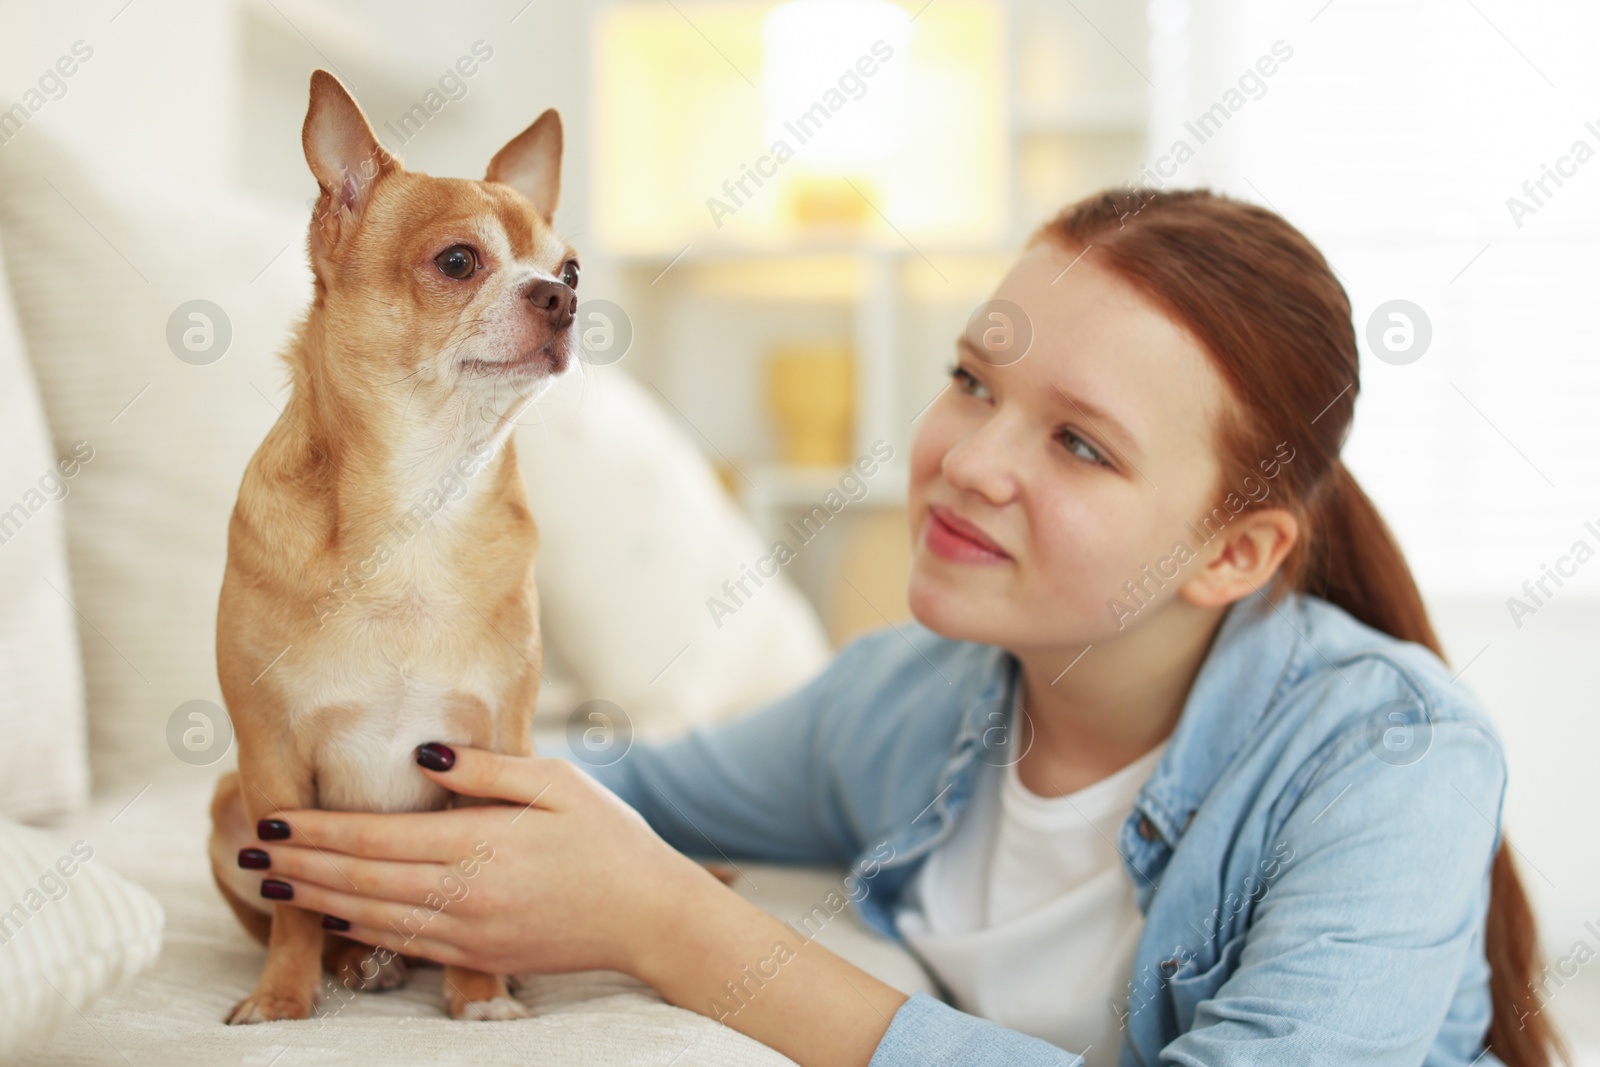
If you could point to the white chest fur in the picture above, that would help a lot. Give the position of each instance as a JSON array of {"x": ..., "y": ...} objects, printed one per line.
[{"x": 378, "y": 681}]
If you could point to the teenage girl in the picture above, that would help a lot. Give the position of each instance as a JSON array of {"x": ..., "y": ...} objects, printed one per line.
[{"x": 1167, "y": 770}]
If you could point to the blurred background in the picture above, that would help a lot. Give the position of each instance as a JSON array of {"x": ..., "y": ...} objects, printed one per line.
[{"x": 786, "y": 211}]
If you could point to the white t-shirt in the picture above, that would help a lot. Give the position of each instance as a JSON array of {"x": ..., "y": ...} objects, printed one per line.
[{"x": 1025, "y": 913}]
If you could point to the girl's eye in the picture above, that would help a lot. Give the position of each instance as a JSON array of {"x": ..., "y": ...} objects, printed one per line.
[
  {"x": 967, "y": 383},
  {"x": 964, "y": 380},
  {"x": 1081, "y": 448}
]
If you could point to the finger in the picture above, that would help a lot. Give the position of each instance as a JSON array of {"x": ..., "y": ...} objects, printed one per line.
[
  {"x": 429, "y": 948},
  {"x": 436, "y": 836},
  {"x": 402, "y": 882},
  {"x": 403, "y": 920},
  {"x": 525, "y": 780}
]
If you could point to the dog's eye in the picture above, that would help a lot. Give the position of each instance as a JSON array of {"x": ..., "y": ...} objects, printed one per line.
[
  {"x": 569, "y": 274},
  {"x": 456, "y": 262}
]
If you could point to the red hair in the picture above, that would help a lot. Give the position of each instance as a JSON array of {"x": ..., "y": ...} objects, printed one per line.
[{"x": 1264, "y": 304}]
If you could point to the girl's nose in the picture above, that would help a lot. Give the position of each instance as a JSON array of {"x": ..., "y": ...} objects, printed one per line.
[{"x": 984, "y": 463}]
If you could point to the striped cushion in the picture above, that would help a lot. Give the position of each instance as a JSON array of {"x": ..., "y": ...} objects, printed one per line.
[{"x": 70, "y": 930}]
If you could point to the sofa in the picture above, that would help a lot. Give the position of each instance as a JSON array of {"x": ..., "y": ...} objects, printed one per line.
[{"x": 141, "y": 320}]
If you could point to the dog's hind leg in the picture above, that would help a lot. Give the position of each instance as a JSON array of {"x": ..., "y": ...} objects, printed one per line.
[{"x": 227, "y": 817}]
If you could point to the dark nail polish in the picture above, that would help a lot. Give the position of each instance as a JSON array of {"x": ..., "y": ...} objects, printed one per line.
[
  {"x": 272, "y": 829},
  {"x": 436, "y": 757},
  {"x": 254, "y": 859},
  {"x": 273, "y": 889},
  {"x": 329, "y": 922}
]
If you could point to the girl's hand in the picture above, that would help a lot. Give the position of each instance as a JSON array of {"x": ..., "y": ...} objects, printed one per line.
[{"x": 560, "y": 876}]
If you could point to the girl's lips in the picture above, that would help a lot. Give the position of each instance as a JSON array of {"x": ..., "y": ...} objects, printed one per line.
[{"x": 951, "y": 537}]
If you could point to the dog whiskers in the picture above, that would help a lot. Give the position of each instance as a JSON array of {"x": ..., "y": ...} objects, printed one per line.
[
  {"x": 407, "y": 410},
  {"x": 375, "y": 300}
]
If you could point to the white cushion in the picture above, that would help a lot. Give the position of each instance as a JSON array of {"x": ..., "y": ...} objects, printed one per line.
[
  {"x": 41, "y": 672},
  {"x": 71, "y": 929},
  {"x": 98, "y": 261},
  {"x": 635, "y": 532}
]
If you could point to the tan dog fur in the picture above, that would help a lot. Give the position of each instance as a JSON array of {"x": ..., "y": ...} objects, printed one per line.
[{"x": 344, "y": 641}]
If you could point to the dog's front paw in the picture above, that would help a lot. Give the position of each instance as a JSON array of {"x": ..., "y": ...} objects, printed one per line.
[
  {"x": 497, "y": 1008},
  {"x": 261, "y": 1007},
  {"x": 470, "y": 994}
]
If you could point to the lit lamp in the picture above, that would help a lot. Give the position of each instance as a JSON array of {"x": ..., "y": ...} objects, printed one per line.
[
  {"x": 831, "y": 91},
  {"x": 743, "y": 125}
]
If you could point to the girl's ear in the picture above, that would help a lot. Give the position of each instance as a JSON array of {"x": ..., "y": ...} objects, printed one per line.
[{"x": 1243, "y": 560}]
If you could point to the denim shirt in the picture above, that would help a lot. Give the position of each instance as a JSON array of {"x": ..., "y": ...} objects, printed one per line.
[{"x": 1311, "y": 853}]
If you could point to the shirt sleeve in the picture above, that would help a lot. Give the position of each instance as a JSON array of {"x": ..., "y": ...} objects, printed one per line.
[
  {"x": 1355, "y": 953},
  {"x": 750, "y": 787},
  {"x": 926, "y": 1032}
]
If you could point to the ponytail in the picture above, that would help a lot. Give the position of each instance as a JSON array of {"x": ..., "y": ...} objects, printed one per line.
[
  {"x": 1264, "y": 304},
  {"x": 1351, "y": 559}
]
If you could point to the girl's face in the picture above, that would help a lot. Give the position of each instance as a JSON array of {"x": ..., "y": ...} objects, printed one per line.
[{"x": 1039, "y": 487}]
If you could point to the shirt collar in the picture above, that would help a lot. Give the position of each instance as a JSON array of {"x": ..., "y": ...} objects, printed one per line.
[
  {"x": 1249, "y": 660},
  {"x": 985, "y": 702}
]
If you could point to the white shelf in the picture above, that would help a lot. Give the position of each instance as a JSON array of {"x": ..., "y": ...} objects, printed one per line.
[
  {"x": 799, "y": 248},
  {"x": 781, "y": 491},
  {"x": 788, "y": 486}
]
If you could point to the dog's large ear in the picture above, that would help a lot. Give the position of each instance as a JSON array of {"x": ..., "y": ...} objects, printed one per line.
[
  {"x": 531, "y": 164},
  {"x": 345, "y": 157}
]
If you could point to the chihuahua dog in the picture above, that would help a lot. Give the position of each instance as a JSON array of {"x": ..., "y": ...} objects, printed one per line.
[{"x": 379, "y": 587}]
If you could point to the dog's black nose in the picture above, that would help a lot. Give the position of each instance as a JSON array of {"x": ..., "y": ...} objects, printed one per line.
[{"x": 554, "y": 300}]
